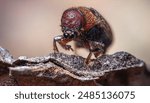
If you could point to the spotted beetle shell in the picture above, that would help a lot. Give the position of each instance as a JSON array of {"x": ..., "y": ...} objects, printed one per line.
[{"x": 77, "y": 18}]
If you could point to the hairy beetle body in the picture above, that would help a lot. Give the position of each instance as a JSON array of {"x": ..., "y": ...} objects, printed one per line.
[{"x": 87, "y": 27}]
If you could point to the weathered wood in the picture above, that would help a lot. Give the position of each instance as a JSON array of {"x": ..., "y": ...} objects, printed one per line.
[{"x": 120, "y": 68}]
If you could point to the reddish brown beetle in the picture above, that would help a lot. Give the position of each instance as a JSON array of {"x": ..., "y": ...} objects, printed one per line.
[{"x": 87, "y": 27}]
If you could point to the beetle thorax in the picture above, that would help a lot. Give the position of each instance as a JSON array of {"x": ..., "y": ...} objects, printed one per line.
[{"x": 80, "y": 18}]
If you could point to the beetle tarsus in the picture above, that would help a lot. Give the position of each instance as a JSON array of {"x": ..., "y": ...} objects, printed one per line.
[
  {"x": 67, "y": 47},
  {"x": 62, "y": 41}
]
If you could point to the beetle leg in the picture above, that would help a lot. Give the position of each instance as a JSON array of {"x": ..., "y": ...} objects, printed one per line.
[
  {"x": 97, "y": 54},
  {"x": 96, "y": 48},
  {"x": 56, "y": 39},
  {"x": 62, "y": 41},
  {"x": 100, "y": 50},
  {"x": 87, "y": 60}
]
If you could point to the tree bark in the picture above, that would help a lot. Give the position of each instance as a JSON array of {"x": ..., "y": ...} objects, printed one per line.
[{"x": 56, "y": 69}]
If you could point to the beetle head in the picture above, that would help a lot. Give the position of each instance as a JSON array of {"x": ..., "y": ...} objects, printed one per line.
[{"x": 71, "y": 22}]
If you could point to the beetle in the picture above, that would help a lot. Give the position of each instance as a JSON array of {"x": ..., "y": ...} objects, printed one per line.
[{"x": 88, "y": 28}]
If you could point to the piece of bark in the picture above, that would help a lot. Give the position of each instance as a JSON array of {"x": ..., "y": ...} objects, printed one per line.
[
  {"x": 62, "y": 69},
  {"x": 120, "y": 68},
  {"x": 6, "y": 80},
  {"x": 5, "y": 56},
  {"x": 46, "y": 74},
  {"x": 6, "y": 60}
]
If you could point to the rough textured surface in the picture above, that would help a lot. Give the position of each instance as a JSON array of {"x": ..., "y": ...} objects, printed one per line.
[
  {"x": 6, "y": 80},
  {"x": 5, "y": 57},
  {"x": 6, "y": 60},
  {"x": 120, "y": 68}
]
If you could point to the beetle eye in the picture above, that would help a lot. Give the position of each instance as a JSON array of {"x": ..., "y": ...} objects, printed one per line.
[
  {"x": 66, "y": 35},
  {"x": 72, "y": 35}
]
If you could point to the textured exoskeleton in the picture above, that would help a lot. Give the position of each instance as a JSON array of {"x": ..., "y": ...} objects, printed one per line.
[{"x": 88, "y": 28}]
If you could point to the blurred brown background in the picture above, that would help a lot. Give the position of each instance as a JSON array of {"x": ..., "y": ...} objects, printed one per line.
[{"x": 27, "y": 27}]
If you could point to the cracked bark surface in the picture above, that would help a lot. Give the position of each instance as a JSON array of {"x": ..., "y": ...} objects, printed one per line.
[{"x": 120, "y": 68}]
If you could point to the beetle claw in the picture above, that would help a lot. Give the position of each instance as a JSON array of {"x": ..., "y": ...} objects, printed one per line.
[{"x": 68, "y": 47}]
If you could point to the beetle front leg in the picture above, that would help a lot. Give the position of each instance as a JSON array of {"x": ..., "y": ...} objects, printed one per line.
[
  {"x": 62, "y": 41},
  {"x": 56, "y": 39}
]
